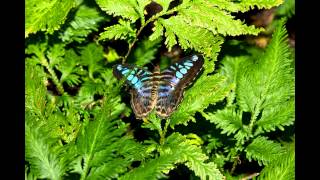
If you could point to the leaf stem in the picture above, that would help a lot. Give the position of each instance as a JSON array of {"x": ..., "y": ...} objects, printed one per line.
[
  {"x": 153, "y": 18},
  {"x": 254, "y": 116},
  {"x": 54, "y": 77},
  {"x": 163, "y": 133}
]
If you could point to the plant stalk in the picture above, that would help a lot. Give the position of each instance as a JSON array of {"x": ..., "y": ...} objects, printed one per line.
[
  {"x": 153, "y": 18},
  {"x": 54, "y": 77}
]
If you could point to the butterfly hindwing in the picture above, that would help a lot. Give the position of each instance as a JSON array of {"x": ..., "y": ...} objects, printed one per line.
[
  {"x": 173, "y": 82},
  {"x": 142, "y": 100}
]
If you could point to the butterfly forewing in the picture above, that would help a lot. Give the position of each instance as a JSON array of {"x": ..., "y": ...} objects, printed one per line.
[
  {"x": 142, "y": 100},
  {"x": 173, "y": 81}
]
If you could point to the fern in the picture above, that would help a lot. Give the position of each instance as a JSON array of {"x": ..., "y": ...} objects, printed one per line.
[
  {"x": 99, "y": 139},
  {"x": 281, "y": 168},
  {"x": 196, "y": 25},
  {"x": 123, "y": 30},
  {"x": 213, "y": 92},
  {"x": 46, "y": 15},
  {"x": 44, "y": 162},
  {"x": 70, "y": 69},
  {"x": 85, "y": 21},
  {"x": 264, "y": 150},
  {"x": 286, "y": 9},
  {"x": 91, "y": 56},
  {"x": 269, "y": 82},
  {"x": 145, "y": 52},
  {"x": 177, "y": 149},
  {"x": 129, "y": 9}
]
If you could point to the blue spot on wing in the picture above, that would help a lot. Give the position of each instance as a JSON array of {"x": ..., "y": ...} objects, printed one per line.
[
  {"x": 188, "y": 64},
  {"x": 179, "y": 75},
  {"x": 124, "y": 72},
  {"x": 183, "y": 71},
  {"x": 130, "y": 77},
  {"x": 138, "y": 85},
  {"x": 134, "y": 80}
]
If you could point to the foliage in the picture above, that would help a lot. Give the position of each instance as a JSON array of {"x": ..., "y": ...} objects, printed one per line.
[{"x": 79, "y": 124}]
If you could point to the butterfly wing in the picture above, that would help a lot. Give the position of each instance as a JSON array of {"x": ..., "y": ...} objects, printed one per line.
[
  {"x": 173, "y": 81},
  {"x": 142, "y": 100}
]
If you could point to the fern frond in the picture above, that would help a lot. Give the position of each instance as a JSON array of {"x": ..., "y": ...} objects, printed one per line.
[
  {"x": 265, "y": 86},
  {"x": 69, "y": 68},
  {"x": 245, "y": 5},
  {"x": 103, "y": 139},
  {"x": 227, "y": 119},
  {"x": 282, "y": 168},
  {"x": 207, "y": 90},
  {"x": 270, "y": 81},
  {"x": 194, "y": 157},
  {"x": 145, "y": 52},
  {"x": 264, "y": 150},
  {"x": 123, "y": 30},
  {"x": 55, "y": 54},
  {"x": 43, "y": 153},
  {"x": 125, "y": 8},
  {"x": 286, "y": 9},
  {"x": 231, "y": 67},
  {"x": 277, "y": 117},
  {"x": 215, "y": 20},
  {"x": 35, "y": 94},
  {"x": 230, "y": 121},
  {"x": 86, "y": 20},
  {"x": 152, "y": 169},
  {"x": 198, "y": 23},
  {"x": 91, "y": 56},
  {"x": 188, "y": 36},
  {"x": 177, "y": 149},
  {"x": 46, "y": 15}
]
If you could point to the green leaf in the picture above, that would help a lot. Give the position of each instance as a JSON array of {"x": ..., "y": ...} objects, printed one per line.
[
  {"x": 187, "y": 35},
  {"x": 45, "y": 15},
  {"x": 145, "y": 52},
  {"x": 86, "y": 21},
  {"x": 112, "y": 55},
  {"x": 288, "y": 9},
  {"x": 264, "y": 150},
  {"x": 157, "y": 31},
  {"x": 245, "y": 5},
  {"x": 35, "y": 94},
  {"x": 70, "y": 69},
  {"x": 92, "y": 56},
  {"x": 125, "y": 8},
  {"x": 42, "y": 153},
  {"x": 123, "y": 30},
  {"x": 281, "y": 168},
  {"x": 102, "y": 140},
  {"x": 177, "y": 149},
  {"x": 269, "y": 81},
  {"x": 277, "y": 117},
  {"x": 193, "y": 156},
  {"x": 228, "y": 119},
  {"x": 215, "y": 19},
  {"x": 199, "y": 97},
  {"x": 231, "y": 68}
]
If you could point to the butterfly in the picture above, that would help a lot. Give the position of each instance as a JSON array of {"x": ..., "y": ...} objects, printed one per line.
[{"x": 162, "y": 91}]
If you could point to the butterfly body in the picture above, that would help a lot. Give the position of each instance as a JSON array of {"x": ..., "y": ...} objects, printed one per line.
[{"x": 161, "y": 91}]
